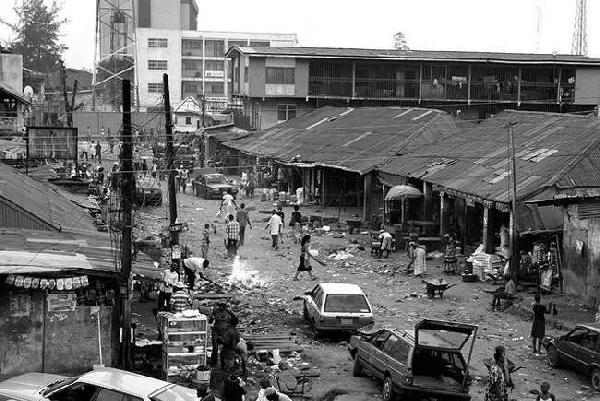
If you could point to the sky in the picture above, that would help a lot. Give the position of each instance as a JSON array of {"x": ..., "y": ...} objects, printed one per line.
[{"x": 472, "y": 25}]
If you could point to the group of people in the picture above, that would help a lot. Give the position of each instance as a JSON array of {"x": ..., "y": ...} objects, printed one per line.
[
  {"x": 543, "y": 261},
  {"x": 248, "y": 183},
  {"x": 177, "y": 282}
]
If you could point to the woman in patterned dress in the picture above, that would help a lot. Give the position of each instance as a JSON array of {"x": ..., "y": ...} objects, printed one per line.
[{"x": 496, "y": 388}]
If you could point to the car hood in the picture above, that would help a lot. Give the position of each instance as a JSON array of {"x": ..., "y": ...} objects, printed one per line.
[
  {"x": 29, "y": 385},
  {"x": 438, "y": 334}
]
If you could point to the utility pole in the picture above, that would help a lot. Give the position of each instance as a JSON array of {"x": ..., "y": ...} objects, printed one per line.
[
  {"x": 514, "y": 240},
  {"x": 170, "y": 162},
  {"x": 127, "y": 195}
]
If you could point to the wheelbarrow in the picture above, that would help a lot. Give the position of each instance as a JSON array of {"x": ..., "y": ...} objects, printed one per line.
[{"x": 437, "y": 287}]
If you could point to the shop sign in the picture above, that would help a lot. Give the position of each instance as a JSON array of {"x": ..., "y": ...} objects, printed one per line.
[
  {"x": 176, "y": 252},
  {"x": 60, "y": 284},
  {"x": 61, "y": 302}
]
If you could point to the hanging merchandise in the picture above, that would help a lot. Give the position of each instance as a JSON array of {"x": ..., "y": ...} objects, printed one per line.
[{"x": 67, "y": 284}]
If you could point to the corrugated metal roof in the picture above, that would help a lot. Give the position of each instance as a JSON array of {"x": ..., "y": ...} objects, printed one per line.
[
  {"x": 475, "y": 161},
  {"x": 94, "y": 248},
  {"x": 4, "y": 87},
  {"x": 357, "y": 140},
  {"x": 416, "y": 55},
  {"x": 42, "y": 201}
]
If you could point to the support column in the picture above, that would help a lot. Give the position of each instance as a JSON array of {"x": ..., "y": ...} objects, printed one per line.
[
  {"x": 367, "y": 182},
  {"x": 488, "y": 228},
  {"x": 354, "y": 79},
  {"x": 427, "y": 201},
  {"x": 443, "y": 214}
]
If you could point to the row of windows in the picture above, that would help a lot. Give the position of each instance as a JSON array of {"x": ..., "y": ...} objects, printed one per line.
[
  {"x": 158, "y": 42},
  {"x": 155, "y": 87},
  {"x": 280, "y": 75},
  {"x": 216, "y": 48},
  {"x": 157, "y": 64},
  {"x": 210, "y": 88}
]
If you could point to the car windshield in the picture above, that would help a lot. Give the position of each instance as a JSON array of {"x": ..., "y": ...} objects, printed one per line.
[
  {"x": 58, "y": 384},
  {"x": 216, "y": 179},
  {"x": 346, "y": 303},
  {"x": 175, "y": 393}
]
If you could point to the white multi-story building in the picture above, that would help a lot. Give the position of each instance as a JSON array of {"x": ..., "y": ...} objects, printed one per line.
[{"x": 168, "y": 42}]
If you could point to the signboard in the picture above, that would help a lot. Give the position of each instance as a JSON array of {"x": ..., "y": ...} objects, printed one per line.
[
  {"x": 176, "y": 252},
  {"x": 51, "y": 143},
  {"x": 214, "y": 74},
  {"x": 61, "y": 302}
]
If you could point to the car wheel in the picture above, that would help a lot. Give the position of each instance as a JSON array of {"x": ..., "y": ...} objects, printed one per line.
[
  {"x": 596, "y": 379},
  {"x": 304, "y": 312},
  {"x": 356, "y": 367},
  {"x": 388, "y": 390},
  {"x": 553, "y": 357}
]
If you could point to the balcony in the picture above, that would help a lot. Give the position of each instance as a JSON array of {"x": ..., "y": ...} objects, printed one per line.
[
  {"x": 191, "y": 52},
  {"x": 364, "y": 87}
]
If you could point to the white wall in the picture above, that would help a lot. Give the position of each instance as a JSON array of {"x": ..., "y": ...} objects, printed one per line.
[{"x": 11, "y": 71}]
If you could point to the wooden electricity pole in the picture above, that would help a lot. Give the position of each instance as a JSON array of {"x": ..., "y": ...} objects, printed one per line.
[
  {"x": 514, "y": 239},
  {"x": 127, "y": 196},
  {"x": 170, "y": 161}
]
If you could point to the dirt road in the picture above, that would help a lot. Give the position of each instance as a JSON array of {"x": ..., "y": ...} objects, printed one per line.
[{"x": 397, "y": 301}]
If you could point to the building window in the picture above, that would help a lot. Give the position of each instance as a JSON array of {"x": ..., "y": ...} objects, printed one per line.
[
  {"x": 157, "y": 64},
  {"x": 214, "y": 65},
  {"x": 280, "y": 75},
  {"x": 158, "y": 42},
  {"x": 188, "y": 121},
  {"x": 190, "y": 88},
  {"x": 286, "y": 111},
  {"x": 259, "y": 43},
  {"x": 214, "y": 88},
  {"x": 214, "y": 48},
  {"x": 155, "y": 87}
]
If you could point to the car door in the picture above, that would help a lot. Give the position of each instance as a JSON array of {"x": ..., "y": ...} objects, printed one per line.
[
  {"x": 311, "y": 305},
  {"x": 366, "y": 348},
  {"x": 571, "y": 350},
  {"x": 378, "y": 359}
]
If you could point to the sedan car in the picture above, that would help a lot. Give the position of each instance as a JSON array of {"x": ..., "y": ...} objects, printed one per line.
[
  {"x": 424, "y": 362},
  {"x": 579, "y": 349},
  {"x": 213, "y": 186},
  {"x": 337, "y": 306},
  {"x": 98, "y": 385}
]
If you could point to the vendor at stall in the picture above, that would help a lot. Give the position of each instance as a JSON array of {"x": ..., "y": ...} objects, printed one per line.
[{"x": 180, "y": 299}]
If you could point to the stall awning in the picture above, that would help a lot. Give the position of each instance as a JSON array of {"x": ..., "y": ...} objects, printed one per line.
[{"x": 533, "y": 219}]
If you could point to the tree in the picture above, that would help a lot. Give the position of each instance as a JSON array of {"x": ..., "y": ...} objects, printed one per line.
[
  {"x": 37, "y": 35},
  {"x": 400, "y": 41}
]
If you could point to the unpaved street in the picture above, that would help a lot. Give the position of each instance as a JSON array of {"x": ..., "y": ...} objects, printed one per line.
[{"x": 397, "y": 301}]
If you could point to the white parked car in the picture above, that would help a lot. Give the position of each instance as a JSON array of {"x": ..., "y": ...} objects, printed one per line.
[
  {"x": 104, "y": 384},
  {"x": 337, "y": 306}
]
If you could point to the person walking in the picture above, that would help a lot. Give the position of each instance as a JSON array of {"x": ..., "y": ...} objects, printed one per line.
[
  {"x": 243, "y": 218},
  {"x": 296, "y": 223},
  {"x": 420, "y": 265},
  {"x": 305, "y": 258},
  {"x": 228, "y": 205},
  {"x": 222, "y": 320},
  {"x": 232, "y": 229},
  {"x": 92, "y": 150},
  {"x": 496, "y": 387},
  {"x": 538, "y": 327},
  {"x": 281, "y": 214},
  {"x": 205, "y": 244},
  {"x": 274, "y": 226},
  {"x": 165, "y": 289},
  {"x": 98, "y": 152}
]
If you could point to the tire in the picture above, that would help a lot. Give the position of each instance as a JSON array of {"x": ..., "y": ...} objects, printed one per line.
[
  {"x": 304, "y": 312},
  {"x": 596, "y": 379},
  {"x": 357, "y": 370},
  {"x": 388, "y": 390},
  {"x": 553, "y": 359}
]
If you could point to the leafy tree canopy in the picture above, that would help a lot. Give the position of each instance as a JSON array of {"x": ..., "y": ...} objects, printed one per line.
[
  {"x": 400, "y": 41},
  {"x": 38, "y": 35}
]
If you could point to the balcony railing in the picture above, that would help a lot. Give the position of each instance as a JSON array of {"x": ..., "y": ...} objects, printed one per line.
[{"x": 546, "y": 92}]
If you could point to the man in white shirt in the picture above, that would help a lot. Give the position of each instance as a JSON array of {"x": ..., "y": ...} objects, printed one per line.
[
  {"x": 275, "y": 226},
  {"x": 169, "y": 277}
]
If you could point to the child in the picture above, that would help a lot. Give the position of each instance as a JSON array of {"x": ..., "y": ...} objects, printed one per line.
[
  {"x": 545, "y": 394},
  {"x": 205, "y": 244}
]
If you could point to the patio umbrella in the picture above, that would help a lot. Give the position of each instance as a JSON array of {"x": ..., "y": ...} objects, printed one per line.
[{"x": 402, "y": 192}]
